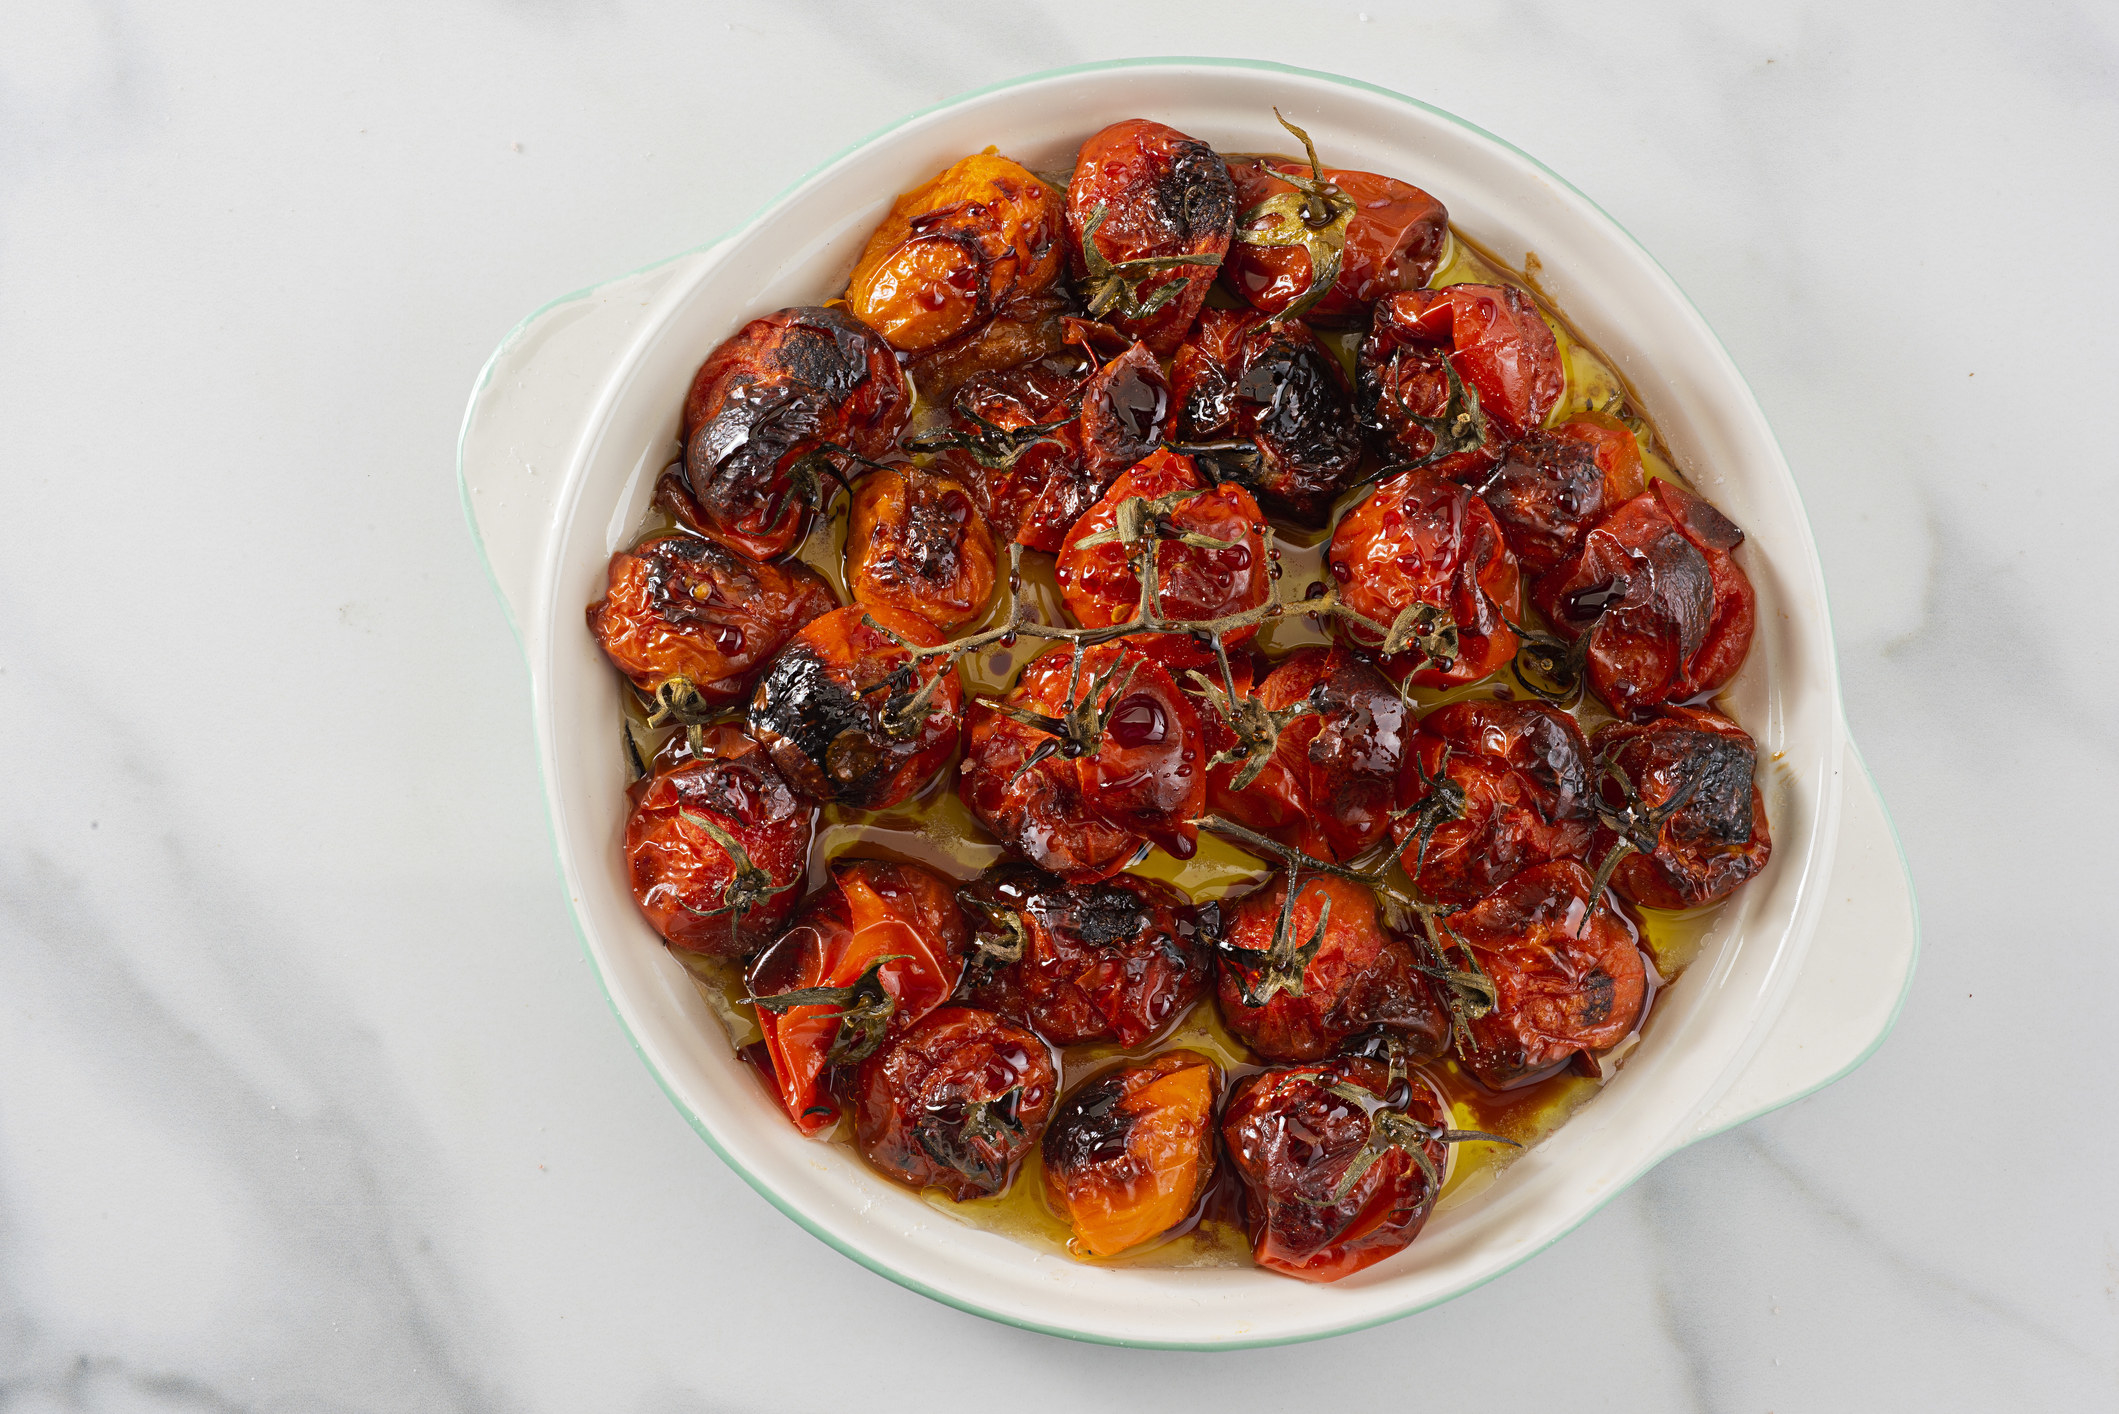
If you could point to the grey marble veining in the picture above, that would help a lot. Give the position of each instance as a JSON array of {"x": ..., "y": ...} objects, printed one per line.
[{"x": 307, "y": 1101}]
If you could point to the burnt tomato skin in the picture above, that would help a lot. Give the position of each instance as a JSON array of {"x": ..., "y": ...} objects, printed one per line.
[
  {"x": 915, "y": 542},
  {"x": 956, "y": 1102},
  {"x": 684, "y": 607},
  {"x": 1291, "y": 1140},
  {"x": 867, "y": 910},
  {"x": 834, "y": 709},
  {"x": 1162, "y": 194},
  {"x": 1118, "y": 960},
  {"x": 795, "y": 382},
  {"x": 682, "y": 875},
  {"x": 1084, "y": 817},
  {"x": 1420, "y": 539},
  {"x": 1098, "y": 584},
  {"x": 1550, "y": 488},
  {"x": 1242, "y": 377},
  {"x": 1668, "y": 610},
  {"x": 1568, "y": 981},
  {"x": 1521, "y": 771},
  {"x": 1362, "y": 976},
  {"x": 1392, "y": 243},
  {"x": 1498, "y": 344},
  {"x": 1129, "y": 1153},
  {"x": 1712, "y": 842}
]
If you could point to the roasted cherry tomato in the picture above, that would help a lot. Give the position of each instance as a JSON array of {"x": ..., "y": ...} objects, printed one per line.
[
  {"x": 1117, "y": 961},
  {"x": 1111, "y": 760},
  {"x": 1149, "y": 214},
  {"x": 878, "y": 947},
  {"x": 1276, "y": 401},
  {"x": 1551, "y": 487},
  {"x": 1326, "y": 1153},
  {"x": 1683, "y": 782},
  {"x": 1490, "y": 789},
  {"x": 915, "y": 542},
  {"x": 1210, "y": 556},
  {"x": 691, "y": 621},
  {"x": 717, "y": 844},
  {"x": 851, "y": 717},
  {"x": 1129, "y": 1154},
  {"x": 1568, "y": 979},
  {"x": 1339, "y": 740},
  {"x": 1423, "y": 561},
  {"x": 800, "y": 383},
  {"x": 1427, "y": 348},
  {"x": 956, "y": 1102},
  {"x": 1298, "y": 984},
  {"x": 1668, "y": 610},
  {"x": 1392, "y": 243},
  {"x": 963, "y": 246},
  {"x": 1032, "y": 328}
]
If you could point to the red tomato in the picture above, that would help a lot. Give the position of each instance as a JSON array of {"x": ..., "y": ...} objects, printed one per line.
[
  {"x": 956, "y": 1102},
  {"x": 1668, "y": 610},
  {"x": 915, "y": 542},
  {"x": 1098, "y": 583},
  {"x": 1490, "y": 789},
  {"x": 1715, "y": 837},
  {"x": 794, "y": 383},
  {"x": 1129, "y": 1154},
  {"x": 1551, "y": 487},
  {"x": 890, "y": 939},
  {"x": 1500, "y": 349},
  {"x": 1030, "y": 329},
  {"x": 1392, "y": 243},
  {"x": 1162, "y": 196},
  {"x": 1421, "y": 540}
]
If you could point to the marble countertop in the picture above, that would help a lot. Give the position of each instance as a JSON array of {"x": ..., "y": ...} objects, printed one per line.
[{"x": 307, "y": 1100}]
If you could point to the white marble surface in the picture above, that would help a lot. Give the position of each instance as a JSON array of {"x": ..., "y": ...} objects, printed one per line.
[{"x": 306, "y": 1098}]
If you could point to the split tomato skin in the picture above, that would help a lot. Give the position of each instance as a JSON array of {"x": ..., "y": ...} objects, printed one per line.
[
  {"x": 868, "y": 910},
  {"x": 837, "y": 708},
  {"x": 1100, "y": 588},
  {"x": 1130, "y": 1152},
  {"x": 1656, "y": 587},
  {"x": 1291, "y": 1140},
  {"x": 1500, "y": 348},
  {"x": 956, "y": 1102},
  {"x": 1362, "y": 977},
  {"x": 1568, "y": 979},
  {"x": 1551, "y": 488},
  {"x": 687, "y": 609},
  {"x": 1522, "y": 773},
  {"x": 683, "y": 878},
  {"x": 797, "y": 382},
  {"x": 1162, "y": 194},
  {"x": 1420, "y": 539},
  {"x": 1242, "y": 377},
  {"x": 916, "y": 543},
  {"x": 1718, "y": 837},
  {"x": 1393, "y": 241}
]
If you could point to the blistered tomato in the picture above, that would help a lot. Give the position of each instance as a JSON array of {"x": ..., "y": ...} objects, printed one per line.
[
  {"x": 1393, "y": 240},
  {"x": 1128, "y": 1154},
  {"x": 1490, "y": 789},
  {"x": 956, "y": 1102},
  {"x": 1427, "y": 347},
  {"x": 1687, "y": 775},
  {"x": 1149, "y": 213},
  {"x": 915, "y": 542}
]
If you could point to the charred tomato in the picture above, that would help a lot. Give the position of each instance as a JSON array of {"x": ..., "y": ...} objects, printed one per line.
[
  {"x": 1450, "y": 377},
  {"x": 1550, "y": 488},
  {"x": 1393, "y": 240},
  {"x": 915, "y": 542},
  {"x": 1129, "y": 1154},
  {"x": 1490, "y": 789},
  {"x": 1149, "y": 215},
  {"x": 1680, "y": 789},
  {"x": 956, "y": 1102}
]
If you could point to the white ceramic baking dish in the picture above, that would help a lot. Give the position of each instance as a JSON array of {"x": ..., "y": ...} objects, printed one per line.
[{"x": 1800, "y": 979}]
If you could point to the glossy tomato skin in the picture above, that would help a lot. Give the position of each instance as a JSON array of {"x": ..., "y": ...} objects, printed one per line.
[
  {"x": 916, "y": 543},
  {"x": 1550, "y": 488},
  {"x": 1523, "y": 771},
  {"x": 974, "y": 241},
  {"x": 1162, "y": 194},
  {"x": 1714, "y": 841},
  {"x": 681, "y": 874},
  {"x": 1330, "y": 787},
  {"x": 1500, "y": 347},
  {"x": 1668, "y": 610},
  {"x": 1420, "y": 539},
  {"x": 687, "y": 607},
  {"x": 824, "y": 708},
  {"x": 1242, "y": 377},
  {"x": 868, "y": 909},
  {"x": 1291, "y": 1140},
  {"x": 1361, "y": 978},
  {"x": 1085, "y": 817},
  {"x": 1118, "y": 960},
  {"x": 1098, "y": 583},
  {"x": 1569, "y": 981},
  {"x": 956, "y": 1102},
  {"x": 1129, "y": 1153},
  {"x": 1392, "y": 243},
  {"x": 795, "y": 382}
]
